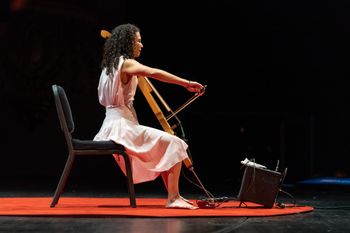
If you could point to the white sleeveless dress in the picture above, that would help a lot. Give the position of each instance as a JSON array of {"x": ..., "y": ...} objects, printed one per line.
[{"x": 151, "y": 151}]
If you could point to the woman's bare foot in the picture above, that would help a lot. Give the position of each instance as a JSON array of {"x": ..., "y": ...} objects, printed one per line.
[
  {"x": 186, "y": 200},
  {"x": 180, "y": 203}
]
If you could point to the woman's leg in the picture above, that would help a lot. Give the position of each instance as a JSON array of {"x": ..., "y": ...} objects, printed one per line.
[
  {"x": 171, "y": 181},
  {"x": 165, "y": 180}
]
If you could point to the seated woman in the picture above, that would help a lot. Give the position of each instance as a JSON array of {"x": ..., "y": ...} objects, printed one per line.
[{"x": 152, "y": 152}]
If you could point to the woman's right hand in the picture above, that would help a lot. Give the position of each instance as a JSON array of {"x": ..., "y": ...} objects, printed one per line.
[{"x": 195, "y": 87}]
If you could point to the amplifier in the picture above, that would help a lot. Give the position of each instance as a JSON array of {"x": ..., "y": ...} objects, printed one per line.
[{"x": 260, "y": 185}]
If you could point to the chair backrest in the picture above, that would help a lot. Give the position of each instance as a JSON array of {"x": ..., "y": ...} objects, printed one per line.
[{"x": 64, "y": 111}]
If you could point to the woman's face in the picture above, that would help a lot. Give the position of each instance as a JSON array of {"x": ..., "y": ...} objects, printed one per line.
[{"x": 137, "y": 45}]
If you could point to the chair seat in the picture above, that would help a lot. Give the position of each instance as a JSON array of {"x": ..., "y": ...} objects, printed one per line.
[{"x": 96, "y": 145}]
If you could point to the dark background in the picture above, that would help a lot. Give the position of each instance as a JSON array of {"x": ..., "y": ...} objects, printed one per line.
[{"x": 276, "y": 73}]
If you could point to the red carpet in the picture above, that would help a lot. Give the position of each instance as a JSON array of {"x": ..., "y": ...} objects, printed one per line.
[{"x": 147, "y": 207}]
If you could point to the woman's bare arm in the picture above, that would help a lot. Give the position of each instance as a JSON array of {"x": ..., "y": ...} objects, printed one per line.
[{"x": 133, "y": 67}]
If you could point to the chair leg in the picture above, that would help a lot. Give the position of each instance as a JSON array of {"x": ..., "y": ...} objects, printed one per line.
[
  {"x": 130, "y": 181},
  {"x": 63, "y": 180}
]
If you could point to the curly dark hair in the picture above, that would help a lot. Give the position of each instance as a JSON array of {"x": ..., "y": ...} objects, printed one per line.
[{"x": 120, "y": 43}]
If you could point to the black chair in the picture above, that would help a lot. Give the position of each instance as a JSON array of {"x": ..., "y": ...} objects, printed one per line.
[{"x": 77, "y": 147}]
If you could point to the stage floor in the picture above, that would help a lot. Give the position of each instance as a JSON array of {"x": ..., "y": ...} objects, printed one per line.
[{"x": 331, "y": 210}]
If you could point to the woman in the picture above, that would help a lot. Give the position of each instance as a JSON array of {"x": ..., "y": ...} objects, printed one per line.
[{"x": 152, "y": 151}]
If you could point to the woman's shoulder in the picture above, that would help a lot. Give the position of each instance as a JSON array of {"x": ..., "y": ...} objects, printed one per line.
[
  {"x": 131, "y": 64},
  {"x": 130, "y": 61}
]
